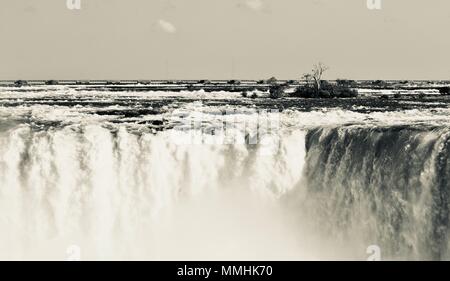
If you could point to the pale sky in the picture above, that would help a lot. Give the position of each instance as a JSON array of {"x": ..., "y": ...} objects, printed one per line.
[{"x": 223, "y": 39}]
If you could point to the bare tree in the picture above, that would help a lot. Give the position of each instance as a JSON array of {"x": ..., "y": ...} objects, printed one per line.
[
  {"x": 317, "y": 73},
  {"x": 315, "y": 77}
]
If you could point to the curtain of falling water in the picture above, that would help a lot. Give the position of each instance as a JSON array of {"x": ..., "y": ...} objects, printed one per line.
[
  {"x": 325, "y": 194},
  {"x": 118, "y": 194},
  {"x": 387, "y": 186}
]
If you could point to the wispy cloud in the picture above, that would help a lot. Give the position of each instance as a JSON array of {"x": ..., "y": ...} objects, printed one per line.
[
  {"x": 255, "y": 5},
  {"x": 166, "y": 26}
]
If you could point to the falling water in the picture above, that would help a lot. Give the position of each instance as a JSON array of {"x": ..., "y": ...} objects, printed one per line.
[
  {"x": 334, "y": 183},
  {"x": 120, "y": 194},
  {"x": 389, "y": 185}
]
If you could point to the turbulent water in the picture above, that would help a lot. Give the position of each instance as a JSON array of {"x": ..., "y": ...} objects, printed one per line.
[
  {"x": 389, "y": 184},
  {"x": 172, "y": 176}
]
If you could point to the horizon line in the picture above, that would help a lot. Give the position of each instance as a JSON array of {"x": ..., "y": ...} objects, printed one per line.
[{"x": 235, "y": 79}]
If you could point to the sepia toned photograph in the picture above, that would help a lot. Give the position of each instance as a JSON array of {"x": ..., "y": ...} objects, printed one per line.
[{"x": 224, "y": 131}]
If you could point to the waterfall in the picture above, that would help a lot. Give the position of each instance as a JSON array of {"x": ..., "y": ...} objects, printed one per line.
[
  {"x": 327, "y": 185},
  {"x": 386, "y": 185},
  {"x": 120, "y": 193}
]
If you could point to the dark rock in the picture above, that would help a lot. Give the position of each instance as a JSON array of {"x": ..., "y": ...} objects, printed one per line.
[
  {"x": 444, "y": 91},
  {"x": 51, "y": 82},
  {"x": 20, "y": 83},
  {"x": 276, "y": 92},
  {"x": 234, "y": 82}
]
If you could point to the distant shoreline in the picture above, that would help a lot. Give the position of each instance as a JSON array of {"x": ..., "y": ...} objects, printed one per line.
[{"x": 219, "y": 85}]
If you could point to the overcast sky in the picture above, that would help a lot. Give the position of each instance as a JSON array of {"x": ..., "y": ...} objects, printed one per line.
[{"x": 223, "y": 39}]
